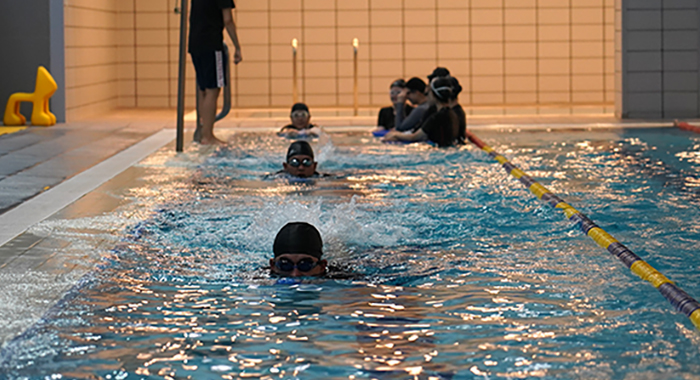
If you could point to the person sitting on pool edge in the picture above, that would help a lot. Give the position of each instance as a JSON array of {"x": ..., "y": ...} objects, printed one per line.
[
  {"x": 442, "y": 127},
  {"x": 387, "y": 115},
  {"x": 300, "y": 162},
  {"x": 300, "y": 126},
  {"x": 298, "y": 249},
  {"x": 415, "y": 93}
]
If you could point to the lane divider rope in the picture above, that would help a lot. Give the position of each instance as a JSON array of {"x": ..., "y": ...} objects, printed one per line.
[
  {"x": 687, "y": 127},
  {"x": 675, "y": 295}
]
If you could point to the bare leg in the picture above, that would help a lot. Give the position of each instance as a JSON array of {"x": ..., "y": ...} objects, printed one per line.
[{"x": 207, "y": 109}]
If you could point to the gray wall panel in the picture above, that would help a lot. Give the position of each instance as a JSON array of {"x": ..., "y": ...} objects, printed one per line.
[{"x": 26, "y": 43}]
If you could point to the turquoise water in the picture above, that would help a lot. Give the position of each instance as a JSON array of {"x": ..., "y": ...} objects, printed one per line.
[{"x": 461, "y": 272}]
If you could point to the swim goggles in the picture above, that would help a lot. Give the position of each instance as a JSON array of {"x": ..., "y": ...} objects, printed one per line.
[
  {"x": 304, "y": 265},
  {"x": 300, "y": 114},
  {"x": 294, "y": 162}
]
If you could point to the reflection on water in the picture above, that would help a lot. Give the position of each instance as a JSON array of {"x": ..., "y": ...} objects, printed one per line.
[{"x": 460, "y": 272}]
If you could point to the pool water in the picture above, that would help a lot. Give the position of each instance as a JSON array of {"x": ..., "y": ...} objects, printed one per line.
[{"x": 460, "y": 273}]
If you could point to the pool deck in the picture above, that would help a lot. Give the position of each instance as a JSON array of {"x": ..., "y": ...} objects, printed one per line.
[{"x": 43, "y": 170}]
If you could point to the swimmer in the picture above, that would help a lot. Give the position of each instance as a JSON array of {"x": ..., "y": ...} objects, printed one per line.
[
  {"x": 300, "y": 126},
  {"x": 300, "y": 162},
  {"x": 298, "y": 249},
  {"x": 442, "y": 127},
  {"x": 415, "y": 93},
  {"x": 387, "y": 115}
]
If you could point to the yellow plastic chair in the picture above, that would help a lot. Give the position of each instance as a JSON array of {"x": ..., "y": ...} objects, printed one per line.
[{"x": 41, "y": 115}]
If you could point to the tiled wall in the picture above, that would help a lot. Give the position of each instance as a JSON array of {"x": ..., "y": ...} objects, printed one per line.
[
  {"x": 516, "y": 52},
  {"x": 660, "y": 55},
  {"x": 91, "y": 56}
]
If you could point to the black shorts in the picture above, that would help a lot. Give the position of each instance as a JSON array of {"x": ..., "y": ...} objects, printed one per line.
[{"x": 210, "y": 68}]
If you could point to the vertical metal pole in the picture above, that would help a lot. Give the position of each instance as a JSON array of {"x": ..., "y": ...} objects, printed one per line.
[
  {"x": 181, "y": 78},
  {"x": 295, "y": 84},
  {"x": 355, "y": 46}
]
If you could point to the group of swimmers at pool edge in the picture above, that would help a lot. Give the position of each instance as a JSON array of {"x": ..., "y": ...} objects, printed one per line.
[{"x": 434, "y": 115}]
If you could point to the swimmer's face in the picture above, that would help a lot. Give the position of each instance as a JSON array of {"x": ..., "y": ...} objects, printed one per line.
[
  {"x": 394, "y": 93},
  {"x": 300, "y": 119},
  {"x": 300, "y": 165},
  {"x": 297, "y": 265},
  {"x": 415, "y": 97}
]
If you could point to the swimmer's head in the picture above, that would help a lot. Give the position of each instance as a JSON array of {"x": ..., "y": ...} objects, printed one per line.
[
  {"x": 300, "y": 116},
  {"x": 438, "y": 72},
  {"x": 298, "y": 249},
  {"x": 441, "y": 89},
  {"x": 300, "y": 160},
  {"x": 416, "y": 90},
  {"x": 395, "y": 89}
]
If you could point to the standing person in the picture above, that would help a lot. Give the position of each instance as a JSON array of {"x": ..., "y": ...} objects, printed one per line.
[{"x": 208, "y": 20}]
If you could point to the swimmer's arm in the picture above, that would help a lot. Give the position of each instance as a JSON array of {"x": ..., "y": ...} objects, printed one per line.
[
  {"x": 288, "y": 131},
  {"x": 412, "y": 120},
  {"x": 316, "y": 131},
  {"x": 418, "y": 135}
]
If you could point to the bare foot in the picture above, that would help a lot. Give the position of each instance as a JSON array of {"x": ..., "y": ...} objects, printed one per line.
[{"x": 212, "y": 140}]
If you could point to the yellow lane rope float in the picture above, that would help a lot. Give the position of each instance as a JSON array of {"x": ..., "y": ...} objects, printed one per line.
[{"x": 678, "y": 298}]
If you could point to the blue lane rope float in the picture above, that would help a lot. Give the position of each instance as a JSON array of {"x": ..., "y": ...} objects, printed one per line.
[{"x": 678, "y": 298}]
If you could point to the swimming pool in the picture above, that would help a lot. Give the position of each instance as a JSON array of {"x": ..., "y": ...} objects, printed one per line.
[{"x": 462, "y": 272}]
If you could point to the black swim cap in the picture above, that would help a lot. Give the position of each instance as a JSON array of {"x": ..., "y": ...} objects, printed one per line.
[
  {"x": 300, "y": 107},
  {"x": 298, "y": 237},
  {"x": 416, "y": 84},
  {"x": 300, "y": 147},
  {"x": 442, "y": 89},
  {"x": 438, "y": 72},
  {"x": 398, "y": 83}
]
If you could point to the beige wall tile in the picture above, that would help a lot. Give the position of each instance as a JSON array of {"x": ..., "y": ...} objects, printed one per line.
[
  {"x": 487, "y": 67},
  {"x": 521, "y": 83},
  {"x": 486, "y": 99},
  {"x": 521, "y": 97},
  {"x": 554, "y": 66},
  {"x": 420, "y": 51},
  {"x": 487, "y": 16},
  {"x": 421, "y": 34},
  {"x": 486, "y": 83},
  {"x": 555, "y": 97},
  {"x": 384, "y": 35},
  {"x": 496, "y": 44},
  {"x": 518, "y": 50},
  {"x": 554, "y": 83},
  {"x": 521, "y": 16},
  {"x": 452, "y": 17},
  {"x": 319, "y": 19},
  {"x": 487, "y": 33},
  {"x": 519, "y": 33},
  {"x": 426, "y": 17},
  {"x": 521, "y": 66},
  {"x": 492, "y": 50},
  {"x": 453, "y": 51},
  {"x": 452, "y": 33}
]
